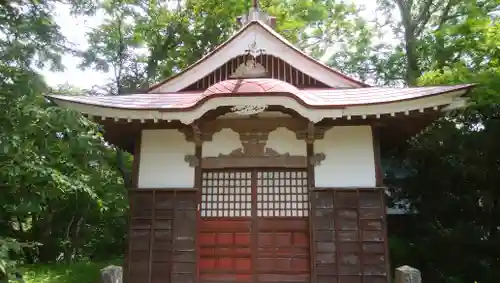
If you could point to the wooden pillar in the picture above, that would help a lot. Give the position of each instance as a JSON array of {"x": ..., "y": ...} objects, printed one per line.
[
  {"x": 130, "y": 195},
  {"x": 198, "y": 175},
  {"x": 379, "y": 172},
  {"x": 311, "y": 184},
  {"x": 184, "y": 231},
  {"x": 185, "y": 223},
  {"x": 379, "y": 182}
]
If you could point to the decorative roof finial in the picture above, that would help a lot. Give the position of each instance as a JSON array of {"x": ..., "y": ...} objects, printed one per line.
[
  {"x": 255, "y": 4},
  {"x": 251, "y": 68},
  {"x": 255, "y": 14}
]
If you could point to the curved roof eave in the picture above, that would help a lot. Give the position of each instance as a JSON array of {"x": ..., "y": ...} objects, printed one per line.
[{"x": 309, "y": 109}]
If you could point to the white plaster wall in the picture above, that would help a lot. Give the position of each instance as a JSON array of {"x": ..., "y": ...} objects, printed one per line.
[
  {"x": 282, "y": 140},
  {"x": 223, "y": 142},
  {"x": 162, "y": 162},
  {"x": 349, "y": 158}
]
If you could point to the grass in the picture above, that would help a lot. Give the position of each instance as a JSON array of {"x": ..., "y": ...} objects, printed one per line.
[{"x": 80, "y": 272}]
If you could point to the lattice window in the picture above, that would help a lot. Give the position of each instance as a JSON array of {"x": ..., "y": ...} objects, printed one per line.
[
  {"x": 282, "y": 193},
  {"x": 226, "y": 194}
]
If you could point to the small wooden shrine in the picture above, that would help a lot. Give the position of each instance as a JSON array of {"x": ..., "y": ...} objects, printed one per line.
[{"x": 260, "y": 164}]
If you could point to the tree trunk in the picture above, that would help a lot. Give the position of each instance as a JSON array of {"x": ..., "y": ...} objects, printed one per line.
[
  {"x": 412, "y": 67},
  {"x": 67, "y": 245}
]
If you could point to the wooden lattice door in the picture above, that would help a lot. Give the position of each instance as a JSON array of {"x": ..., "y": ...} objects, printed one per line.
[{"x": 254, "y": 226}]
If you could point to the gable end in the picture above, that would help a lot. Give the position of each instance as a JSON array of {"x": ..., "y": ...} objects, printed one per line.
[
  {"x": 275, "y": 67},
  {"x": 256, "y": 33}
]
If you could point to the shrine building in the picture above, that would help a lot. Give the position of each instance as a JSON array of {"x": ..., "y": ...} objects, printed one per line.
[{"x": 260, "y": 164}]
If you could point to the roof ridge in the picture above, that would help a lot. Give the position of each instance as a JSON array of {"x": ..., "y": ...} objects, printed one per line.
[
  {"x": 287, "y": 42},
  {"x": 274, "y": 34}
]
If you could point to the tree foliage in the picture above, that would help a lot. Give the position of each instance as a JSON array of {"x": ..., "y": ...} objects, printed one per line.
[{"x": 58, "y": 179}]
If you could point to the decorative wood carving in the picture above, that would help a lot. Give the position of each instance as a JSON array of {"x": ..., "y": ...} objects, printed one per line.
[
  {"x": 317, "y": 158},
  {"x": 254, "y": 153},
  {"x": 192, "y": 160},
  {"x": 239, "y": 159},
  {"x": 249, "y": 69},
  {"x": 310, "y": 135},
  {"x": 254, "y": 134},
  {"x": 251, "y": 125},
  {"x": 196, "y": 134},
  {"x": 276, "y": 68},
  {"x": 303, "y": 129}
]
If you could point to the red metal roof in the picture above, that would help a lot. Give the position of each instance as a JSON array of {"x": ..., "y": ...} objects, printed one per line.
[
  {"x": 251, "y": 86},
  {"x": 312, "y": 98}
]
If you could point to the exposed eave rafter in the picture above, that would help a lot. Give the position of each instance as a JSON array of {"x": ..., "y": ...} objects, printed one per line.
[{"x": 448, "y": 100}]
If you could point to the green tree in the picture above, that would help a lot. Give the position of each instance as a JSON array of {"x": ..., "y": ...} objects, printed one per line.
[
  {"x": 453, "y": 168},
  {"x": 57, "y": 178}
]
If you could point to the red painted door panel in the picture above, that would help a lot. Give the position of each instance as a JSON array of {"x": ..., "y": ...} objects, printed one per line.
[{"x": 254, "y": 227}]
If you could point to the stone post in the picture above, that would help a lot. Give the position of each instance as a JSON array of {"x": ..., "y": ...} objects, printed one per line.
[
  {"x": 112, "y": 274},
  {"x": 408, "y": 274}
]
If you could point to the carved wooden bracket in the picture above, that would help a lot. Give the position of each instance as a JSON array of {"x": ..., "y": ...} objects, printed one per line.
[
  {"x": 238, "y": 159},
  {"x": 316, "y": 159},
  {"x": 249, "y": 69},
  {"x": 254, "y": 143},
  {"x": 312, "y": 133},
  {"x": 254, "y": 153},
  {"x": 192, "y": 160},
  {"x": 196, "y": 134},
  {"x": 254, "y": 134},
  {"x": 206, "y": 129}
]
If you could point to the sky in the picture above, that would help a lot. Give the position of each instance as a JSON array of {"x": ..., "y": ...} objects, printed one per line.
[{"x": 75, "y": 28}]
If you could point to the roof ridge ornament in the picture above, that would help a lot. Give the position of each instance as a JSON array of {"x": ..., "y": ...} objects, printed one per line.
[
  {"x": 253, "y": 50},
  {"x": 251, "y": 68},
  {"x": 256, "y": 14},
  {"x": 248, "y": 110}
]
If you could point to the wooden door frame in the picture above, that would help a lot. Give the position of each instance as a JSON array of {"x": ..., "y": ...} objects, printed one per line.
[{"x": 254, "y": 218}]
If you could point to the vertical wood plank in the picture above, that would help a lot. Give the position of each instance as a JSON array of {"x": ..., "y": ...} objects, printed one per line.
[
  {"x": 337, "y": 227},
  {"x": 360, "y": 238},
  {"x": 363, "y": 255},
  {"x": 379, "y": 174},
  {"x": 152, "y": 238},
  {"x": 312, "y": 209},
  {"x": 254, "y": 227},
  {"x": 130, "y": 194},
  {"x": 198, "y": 182},
  {"x": 383, "y": 197}
]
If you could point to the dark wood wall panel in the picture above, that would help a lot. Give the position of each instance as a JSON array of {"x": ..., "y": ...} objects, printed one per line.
[
  {"x": 162, "y": 238},
  {"x": 350, "y": 236}
]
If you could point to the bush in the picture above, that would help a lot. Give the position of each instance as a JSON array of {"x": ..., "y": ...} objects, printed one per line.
[{"x": 81, "y": 272}]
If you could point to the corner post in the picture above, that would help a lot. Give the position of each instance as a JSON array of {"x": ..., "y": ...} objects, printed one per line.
[
  {"x": 198, "y": 175},
  {"x": 311, "y": 135}
]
